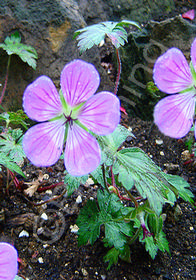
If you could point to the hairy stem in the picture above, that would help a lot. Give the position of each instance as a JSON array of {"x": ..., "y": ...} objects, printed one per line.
[
  {"x": 6, "y": 79},
  {"x": 119, "y": 72},
  {"x": 131, "y": 197},
  {"x": 136, "y": 235},
  {"x": 104, "y": 177}
]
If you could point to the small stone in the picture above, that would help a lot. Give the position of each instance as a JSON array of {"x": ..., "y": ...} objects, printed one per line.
[
  {"x": 159, "y": 141},
  {"x": 89, "y": 181},
  {"x": 46, "y": 176},
  {"x": 44, "y": 216},
  {"x": 171, "y": 166},
  {"x": 185, "y": 155},
  {"x": 103, "y": 277},
  {"x": 23, "y": 233},
  {"x": 49, "y": 192},
  {"x": 40, "y": 260},
  {"x": 84, "y": 272},
  {"x": 191, "y": 228},
  {"x": 74, "y": 228},
  {"x": 162, "y": 153},
  {"x": 79, "y": 199},
  {"x": 45, "y": 246}
]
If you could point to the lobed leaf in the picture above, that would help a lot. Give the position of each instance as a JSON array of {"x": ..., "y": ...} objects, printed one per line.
[
  {"x": 93, "y": 35},
  {"x": 13, "y": 45}
]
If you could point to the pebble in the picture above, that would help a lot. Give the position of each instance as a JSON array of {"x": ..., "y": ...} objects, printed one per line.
[
  {"x": 185, "y": 155},
  {"x": 162, "y": 153},
  {"x": 84, "y": 272},
  {"x": 23, "y": 233},
  {"x": 40, "y": 260},
  {"x": 159, "y": 141},
  {"x": 74, "y": 228},
  {"x": 44, "y": 216},
  {"x": 79, "y": 199}
]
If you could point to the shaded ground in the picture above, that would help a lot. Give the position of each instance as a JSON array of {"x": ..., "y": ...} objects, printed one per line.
[{"x": 41, "y": 258}]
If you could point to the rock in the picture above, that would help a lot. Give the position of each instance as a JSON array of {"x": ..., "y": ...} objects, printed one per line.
[
  {"x": 48, "y": 26},
  {"x": 138, "y": 58}
]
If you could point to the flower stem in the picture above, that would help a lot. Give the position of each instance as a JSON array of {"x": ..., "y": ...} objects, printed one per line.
[
  {"x": 136, "y": 235},
  {"x": 104, "y": 177},
  {"x": 119, "y": 72},
  {"x": 131, "y": 197},
  {"x": 6, "y": 79}
]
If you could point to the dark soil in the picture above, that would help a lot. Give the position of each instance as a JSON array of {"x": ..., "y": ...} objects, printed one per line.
[{"x": 42, "y": 258}]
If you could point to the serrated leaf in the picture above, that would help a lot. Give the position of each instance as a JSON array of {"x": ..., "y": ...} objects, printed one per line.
[
  {"x": 108, "y": 214},
  {"x": 73, "y": 182},
  {"x": 109, "y": 144},
  {"x": 7, "y": 162},
  {"x": 88, "y": 223},
  {"x": 11, "y": 144},
  {"x": 180, "y": 187},
  {"x": 13, "y": 45},
  {"x": 93, "y": 35},
  {"x": 111, "y": 257},
  {"x": 16, "y": 118},
  {"x": 18, "y": 278},
  {"x": 148, "y": 177},
  {"x": 150, "y": 246}
]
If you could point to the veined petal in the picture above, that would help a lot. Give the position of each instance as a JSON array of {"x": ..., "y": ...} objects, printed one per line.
[
  {"x": 174, "y": 114},
  {"x": 171, "y": 72},
  {"x": 43, "y": 143},
  {"x": 8, "y": 261},
  {"x": 82, "y": 152},
  {"x": 41, "y": 100},
  {"x": 101, "y": 113},
  {"x": 79, "y": 81},
  {"x": 193, "y": 54}
]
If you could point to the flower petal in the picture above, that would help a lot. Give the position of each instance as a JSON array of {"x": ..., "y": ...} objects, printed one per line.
[
  {"x": 101, "y": 113},
  {"x": 41, "y": 100},
  {"x": 174, "y": 114},
  {"x": 8, "y": 261},
  {"x": 79, "y": 81},
  {"x": 193, "y": 54},
  {"x": 43, "y": 143},
  {"x": 171, "y": 72},
  {"x": 82, "y": 152}
]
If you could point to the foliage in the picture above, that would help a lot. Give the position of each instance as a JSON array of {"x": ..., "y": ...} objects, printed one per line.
[
  {"x": 93, "y": 35},
  {"x": 123, "y": 225},
  {"x": 11, "y": 149},
  {"x": 13, "y": 45},
  {"x": 15, "y": 118}
]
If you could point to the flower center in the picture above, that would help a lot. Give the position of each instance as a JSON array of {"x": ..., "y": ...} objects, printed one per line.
[{"x": 69, "y": 119}]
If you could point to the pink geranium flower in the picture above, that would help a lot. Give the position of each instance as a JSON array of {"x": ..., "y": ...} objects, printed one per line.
[
  {"x": 174, "y": 114},
  {"x": 69, "y": 116},
  {"x": 8, "y": 261}
]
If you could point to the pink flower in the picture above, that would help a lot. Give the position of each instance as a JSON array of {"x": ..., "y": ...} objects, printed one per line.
[
  {"x": 174, "y": 114},
  {"x": 69, "y": 116},
  {"x": 8, "y": 261}
]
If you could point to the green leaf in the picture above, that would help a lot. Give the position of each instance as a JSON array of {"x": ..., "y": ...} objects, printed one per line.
[
  {"x": 88, "y": 223},
  {"x": 109, "y": 214},
  {"x": 7, "y": 162},
  {"x": 18, "y": 278},
  {"x": 16, "y": 118},
  {"x": 113, "y": 255},
  {"x": 149, "y": 180},
  {"x": 109, "y": 144},
  {"x": 73, "y": 182},
  {"x": 93, "y": 35},
  {"x": 11, "y": 144},
  {"x": 13, "y": 45},
  {"x": 180, "y": 187}
]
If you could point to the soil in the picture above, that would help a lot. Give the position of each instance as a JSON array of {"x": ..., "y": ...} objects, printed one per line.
[{"x": 57, "y": 256}]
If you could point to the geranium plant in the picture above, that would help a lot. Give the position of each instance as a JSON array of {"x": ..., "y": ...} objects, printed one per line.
[{"x": 85, "y": 125}]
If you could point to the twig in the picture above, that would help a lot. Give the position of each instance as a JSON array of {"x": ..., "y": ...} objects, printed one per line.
[{"x": 6, "y": 79}]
